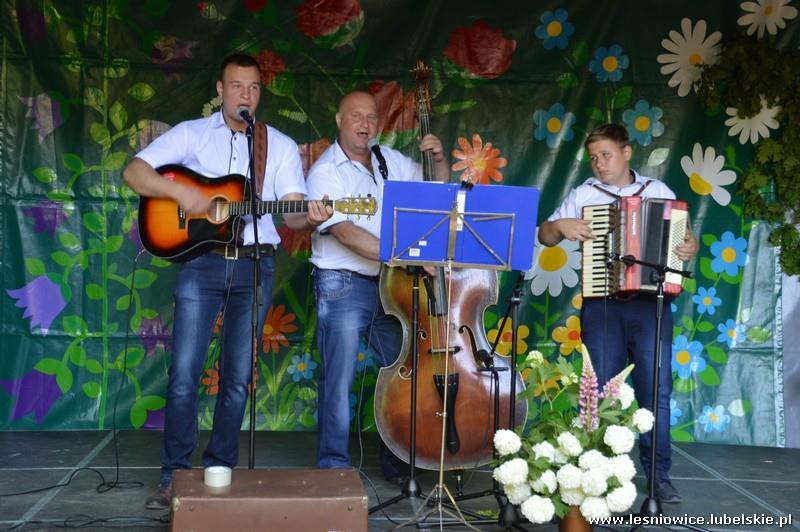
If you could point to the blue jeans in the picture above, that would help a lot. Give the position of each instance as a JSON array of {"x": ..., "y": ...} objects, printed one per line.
[
  {"x": 617, "y": 333},
  {"x": 204, "y": 286},
  {"x": 348, "y": 309}
]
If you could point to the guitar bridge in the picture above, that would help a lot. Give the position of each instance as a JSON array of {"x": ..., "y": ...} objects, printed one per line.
[{"x": 181, "y": 218}]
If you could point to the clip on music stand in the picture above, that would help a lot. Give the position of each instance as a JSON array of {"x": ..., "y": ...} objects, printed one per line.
[{"x": 469, "y": 232}]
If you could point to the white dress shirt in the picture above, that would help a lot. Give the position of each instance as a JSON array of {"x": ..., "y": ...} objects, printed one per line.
[{"x": 210, "y": 148}]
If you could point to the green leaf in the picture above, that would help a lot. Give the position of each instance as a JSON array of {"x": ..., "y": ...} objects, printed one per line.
[
  {"x": 115, "y": 161},
  {"x": 684, "y": 385},
  {"x": 118, "y": 68},
  {"x": 94, "y": 98},
  {"x": 731, "y": 279},
  {"x": 680, "y": 435},
  {"x": 93, "y": 366},
  {"x": 622, "y": 97},
  {"x": 94, "y": 222},
  {"x": 539, "y": 329},
  {"x": 542, "y": 309},
  {"x": 130, "y": 359},
  {"x": 297, "y": 116},
  {"x": 48, "y": 366},
  {"x": 740, "y": 407},
  {"x": 118, "y": 115},
  {"x": 122, "y": 303},
  {"x": 730, "y": 154},
  {"x": 282, "y": 84},
  {"x": 95, "y": 291},
  {"x": 717, "y": 354},
  {"x": 705, "y": 326},
  {"x": 689, "y": 284},
  {"x": 709, "y": 376},
  {"x": 100, "y": 134},
  {"x": 75, "y": 326},
  {"x": 34, "y": 267},
  {"x": 144, "y": 278},
  {"x": 687, "y": 323},
  {"x": 594, "y": 113},
  {"x": 160, "y": 263},
  {"x": 149, "y": 313},
  {"x": 705, "y": 269},
  {"x": 45, "y": 175},
  {"x": 113, "y": 243},
  {"x": 567, "y": 80},
  {"x": 64, "y": 378},
  {"x": 91, "y": 389},
  {"x": 76, "y": 354},
  {"x": 758, "y": 334},
  {"x": 73, "y": 162},
  {"x": 95, "y": 244},
  {"x": 708, "y": 239},
  {"x": 736, "y": 209},
  {"x": 657, "y": 157},
  {"x": 141, "y": 92},
  {"x": 581, "y": 53}
]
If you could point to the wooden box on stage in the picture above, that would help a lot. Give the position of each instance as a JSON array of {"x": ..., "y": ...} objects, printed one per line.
[{"x": 270, "y": 499}]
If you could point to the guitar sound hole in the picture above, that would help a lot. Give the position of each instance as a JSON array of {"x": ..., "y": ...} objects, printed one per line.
[{"x": 219, "y": 211}]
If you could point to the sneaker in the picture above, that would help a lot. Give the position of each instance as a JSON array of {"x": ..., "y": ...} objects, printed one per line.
[
  {"x": 161, "y": 499},
  {"x": 667, "y": 493}
]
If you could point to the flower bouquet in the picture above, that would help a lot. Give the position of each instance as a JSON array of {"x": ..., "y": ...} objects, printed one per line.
[{"x": 576, "y": 453}]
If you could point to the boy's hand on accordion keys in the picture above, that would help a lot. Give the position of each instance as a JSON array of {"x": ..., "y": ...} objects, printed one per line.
[
  {"x": 689, "y": 248},
  {"x": 575, "y": 229}
]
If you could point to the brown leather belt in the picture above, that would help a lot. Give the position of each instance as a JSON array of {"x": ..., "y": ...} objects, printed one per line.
[{"x": 232, "y": 252}]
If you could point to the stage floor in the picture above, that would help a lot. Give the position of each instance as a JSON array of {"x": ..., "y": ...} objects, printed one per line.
[{"x": 722, "y": 480}]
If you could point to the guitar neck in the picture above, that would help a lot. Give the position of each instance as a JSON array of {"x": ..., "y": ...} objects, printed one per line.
[{"x": 239, "y": 208}]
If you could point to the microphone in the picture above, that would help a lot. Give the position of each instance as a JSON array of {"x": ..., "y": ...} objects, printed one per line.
[
  {"x": 376, "y": 149},
  {"x": 244, "y": 114}
]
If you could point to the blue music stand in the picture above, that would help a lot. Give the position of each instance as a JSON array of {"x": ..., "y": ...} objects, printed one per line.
[{"x": 487, "y": 226}]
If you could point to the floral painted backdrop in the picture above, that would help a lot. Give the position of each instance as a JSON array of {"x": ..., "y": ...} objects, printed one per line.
[{"x": 86, "y": 316}]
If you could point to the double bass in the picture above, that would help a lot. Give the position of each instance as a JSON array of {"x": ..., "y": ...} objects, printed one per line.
[{"x": 450, "y": 337}]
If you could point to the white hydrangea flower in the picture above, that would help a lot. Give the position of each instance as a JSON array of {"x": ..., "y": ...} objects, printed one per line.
[
  {"x": 594, "y": 508},
  {"x": 643, "y": 420},
  {"x": 538, "y": 509},
  {"x": 535, "y": 358},
  {"x": 620, "y": 499},
  {"x": 622, "y": 467},
  {"x": 593, "y": 482},
  {"x": 512, "y": 472},
  {"x": 625, "y": 395},
  {"x": 620, "y": 439},
  {"x": 569, "y": 476},
  {"x": 544, "y": 449},
  {"x": 560, "y": 457},
  {"x": 572, "y": 496},
  {"x": 506, "y": 442},
  {"x": 546, "y": 484},
  {"x": 592, "y": 459},
  {"x": 517, "y": 493},
  {"x": 569, "y": 444}
]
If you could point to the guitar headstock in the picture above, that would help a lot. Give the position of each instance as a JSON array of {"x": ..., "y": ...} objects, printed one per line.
[{"x": 366, "y": 206}]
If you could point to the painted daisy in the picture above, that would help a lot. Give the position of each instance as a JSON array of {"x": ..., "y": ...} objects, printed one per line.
[
  {"x": 755, "y": 127},
  {"x": 554, "y": 267},
  {"x": 767, "y": 15},
  {"x": 714, "y": 418},
  {"x": 705, "y": 173},
  {"x": 686, "y": 357},
  {"x": 554, "y": 29},
  {"x": 688, "y": 50},
  {"x": 642, "y": 122},
  {"x": 608, "y": 63},
  {"x": 553, "y": 125}
]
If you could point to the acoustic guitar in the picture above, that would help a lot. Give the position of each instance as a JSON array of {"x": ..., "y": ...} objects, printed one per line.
[{"x": 169, "y": 232}]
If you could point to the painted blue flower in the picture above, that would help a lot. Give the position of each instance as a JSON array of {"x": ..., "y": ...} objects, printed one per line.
[
  {"x": 301, "y": 367},
  {"x": 555, "y": 30},
  {"x": 643, "y": 123},
  {"x": 353, "y": 402},
  {"x": 714, "y": 419},
  {"x": 706, "y": 300},
  {"x": 34, "y": 392},
  {"x": 673, "y": 308},
  {"x": 729, "y": 254},
  {"x": 42, "y": 300},
  {"x": 675, "y": 412},
  {"x": 608, "y": 63},
  {"x": 554, "y": 125},
  {"x": 47, "y": 215},
  {"x": 366, "y": 357},
  {"x": 730, "y": 332},
  {"x": 686, "y": 357}
]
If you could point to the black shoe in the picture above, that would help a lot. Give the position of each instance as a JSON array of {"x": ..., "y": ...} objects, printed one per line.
[
  {"x": 667, "y": 493},
  {"x": 393, "y": 468},
  {"x": 161, "y": 499}
]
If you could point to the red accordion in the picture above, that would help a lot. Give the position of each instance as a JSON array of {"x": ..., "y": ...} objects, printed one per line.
[{"x": 646, "y": 229}]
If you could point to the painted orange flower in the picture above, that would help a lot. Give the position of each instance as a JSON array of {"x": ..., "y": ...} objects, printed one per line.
[
  {"x": 479, "y": 162},
  {"x": 397, "y": 110},
  {"x": 569, "y": 337},
  {"x": 218, "y": 324},
  {"x": 296, "y": 243},
  {"x": 504, "y": 345},
  {"x": 276, "y": 324},
  {"x": 271, "y": 64},
  {"x": 211, "y": 380}
]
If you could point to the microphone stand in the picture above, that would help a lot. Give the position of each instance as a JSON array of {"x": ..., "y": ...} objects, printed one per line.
[
  {"x": 258, "y": 297},
  {"x": 651, "y": 506}
]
